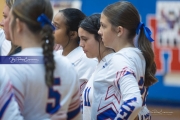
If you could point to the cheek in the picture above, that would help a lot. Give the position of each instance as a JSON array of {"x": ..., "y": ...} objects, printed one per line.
[
  {"x": 108, "y": 35},
  {"x": 6, "y": 24},
  {"x": 6, "y": 29},
  {"x": 94, "y": 48},
  {"x": 60, "y": 36},
  {"x": 105, "y": 35}
]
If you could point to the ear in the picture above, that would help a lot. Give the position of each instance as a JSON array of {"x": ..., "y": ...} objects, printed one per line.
[
  {"x": 73, "y": 34},
  {"x": 120, "y": 31},
  {"x": 19, "y": 25}
]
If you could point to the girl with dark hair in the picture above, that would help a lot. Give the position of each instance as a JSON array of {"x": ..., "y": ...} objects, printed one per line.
[
  {"x": 51, "y": 86},
  {"x": 93, "y": 46},
  {"x": 66, "y": 22},
  {"x": 131, "y": 70}
]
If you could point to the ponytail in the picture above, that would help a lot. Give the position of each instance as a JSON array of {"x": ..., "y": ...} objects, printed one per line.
[
  {"x": 47, "y": 45},
  {"x": 144, "y": 44},
  {"x": 38, "y": 16}
]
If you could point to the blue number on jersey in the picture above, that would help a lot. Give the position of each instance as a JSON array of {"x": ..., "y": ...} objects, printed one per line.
[
  {"x": 86, "y": 97},
  {"x": 52, "y": 108}
]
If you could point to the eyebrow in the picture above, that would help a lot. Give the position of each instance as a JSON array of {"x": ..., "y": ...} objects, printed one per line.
[
  {"x": 101, "y": 23},
  {"x": 83, "y": 37},
  {"x": 55, "y": 23}
]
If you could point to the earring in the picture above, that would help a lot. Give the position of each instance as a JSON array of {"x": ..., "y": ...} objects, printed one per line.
[{"x": 118, "y": 35}]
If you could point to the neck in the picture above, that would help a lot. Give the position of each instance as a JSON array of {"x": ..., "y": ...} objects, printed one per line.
[
  {"x": 70, "y": 47},
  {"x": 104, "y": 53},
  {"x": 123, "y": 43},
  {"x": 31, "y": 41},
  {"x": 121, "y": 47}
]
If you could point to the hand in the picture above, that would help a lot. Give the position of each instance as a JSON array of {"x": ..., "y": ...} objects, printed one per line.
[{"x": 61, "y": 115}]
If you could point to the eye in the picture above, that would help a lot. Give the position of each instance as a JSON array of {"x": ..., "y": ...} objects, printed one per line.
[
  {"x": 102, "y": 25},
  {"x": 83, "y": 39},
  {"x": 56, "y": 26}
]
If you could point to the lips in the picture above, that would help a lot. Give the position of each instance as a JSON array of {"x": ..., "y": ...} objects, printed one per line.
[
  {"x": 84, "y": 51},
  {"x": 102, "y": 39}
]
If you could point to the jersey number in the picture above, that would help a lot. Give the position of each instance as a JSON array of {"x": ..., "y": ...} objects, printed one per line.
[
  {"x": 86, "y": 97},
  {"x": 54, "y": 106}
]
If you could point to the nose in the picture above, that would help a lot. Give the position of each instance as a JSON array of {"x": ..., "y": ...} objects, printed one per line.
[
  {"x": 81, "y": 44},
  {"x": 99, "y": 32}
]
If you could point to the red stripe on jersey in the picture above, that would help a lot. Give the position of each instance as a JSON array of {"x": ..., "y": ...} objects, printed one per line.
[
  {"x": 15, "y": 89},
  {"x": 107, "y": 106},
  {"x": 18, "y": 99},
  {"x": 19, "y": 103},
  {"x": 7, "y": 91},
  {"x": 76, "y": 94},
  {"x": 82, "y": 86},
  {"x": 74, "y": 105},
  {"x": 107, "y": 97}
]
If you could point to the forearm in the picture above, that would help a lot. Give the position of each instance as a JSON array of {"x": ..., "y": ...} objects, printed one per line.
[{"x": 131, "y": 98}]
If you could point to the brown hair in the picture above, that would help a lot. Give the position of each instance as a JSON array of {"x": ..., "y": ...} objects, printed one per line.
[
  {"x": 10, "y": 3},
  {"x": 13, "y": 49},
  {"x": 28, "y": 11},
  {"x": 126, "y": 15}
]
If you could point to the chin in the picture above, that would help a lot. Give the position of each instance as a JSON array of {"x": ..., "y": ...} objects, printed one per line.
[
  {"x": 106, "y": 45},
  {"x": 88, "y": 56},
  {"x": 8, "y": 38}
]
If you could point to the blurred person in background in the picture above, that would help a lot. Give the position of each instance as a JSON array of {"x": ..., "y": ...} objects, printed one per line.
[{"x": 36, "y": 85}]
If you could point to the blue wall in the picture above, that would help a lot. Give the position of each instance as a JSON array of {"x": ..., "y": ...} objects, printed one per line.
[{"x": 96, "y": 6}]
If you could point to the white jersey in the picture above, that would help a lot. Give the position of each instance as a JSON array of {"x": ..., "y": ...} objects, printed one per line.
[
  {"x": 5, "y": 45},
  {"x": 36, "y": 100},
  {"x": 118, "y": 94},
  {"x": 9, "y": 109},
  {"x": 83, "y": 65},
  {"x": 87, "y": 96}
]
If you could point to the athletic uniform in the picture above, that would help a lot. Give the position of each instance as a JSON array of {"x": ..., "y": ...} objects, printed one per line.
[
  {"x": 35, "y": 99},
  {"x": 83, "y": 65},
  {"x": 98, "y": 74},
  {"x": 5, "y": 45},
  {"x": 118, "y": 95},
  {"x": 9, "y": 109}
]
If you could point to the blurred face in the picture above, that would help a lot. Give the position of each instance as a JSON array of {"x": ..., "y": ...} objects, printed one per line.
[
  {"x": 60, "y": 34},
  {"x": 5, "y": 22},
  {"x": 107, "y": 33},
  {"x": 13, "y": 30},
  {"x": 88, "y": 43}
]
